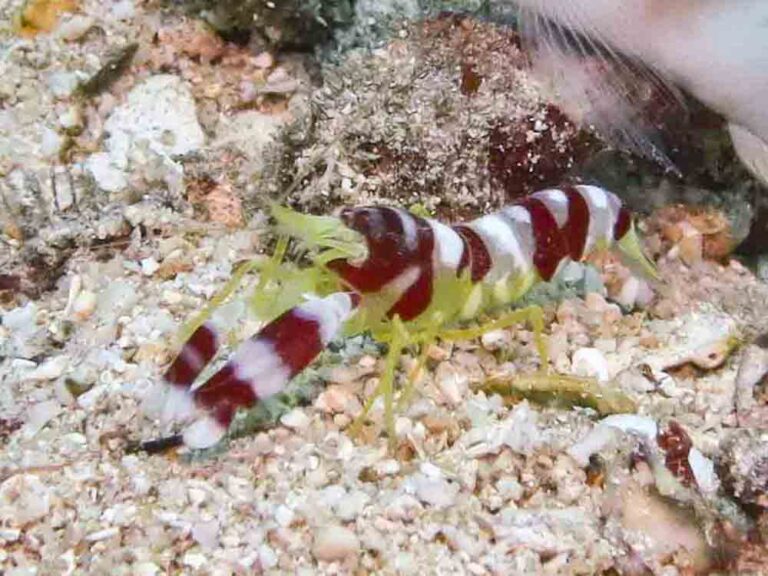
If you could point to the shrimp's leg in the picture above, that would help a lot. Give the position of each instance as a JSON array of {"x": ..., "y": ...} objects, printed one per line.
[
  {"x": 563, "y": 390},
  {"x": 218, "y": 299},
  {"x": 259, "y": 300},
  {"x": 400, "y": 338},
  {"x": 192, "y": 328},
  {"x": 544, "y": 385},
  {"x": 534, "y": 315},
  {"x": 415, "y": 372}
]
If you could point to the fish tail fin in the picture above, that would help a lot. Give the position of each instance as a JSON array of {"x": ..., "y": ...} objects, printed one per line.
[{"x": 597, "y": 85}]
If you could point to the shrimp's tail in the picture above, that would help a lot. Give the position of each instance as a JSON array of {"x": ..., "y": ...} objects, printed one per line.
[{"x": 261, "y": 367}]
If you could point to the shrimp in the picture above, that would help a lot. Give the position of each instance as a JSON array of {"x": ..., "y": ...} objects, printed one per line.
[{"x": 406, "y": 279}]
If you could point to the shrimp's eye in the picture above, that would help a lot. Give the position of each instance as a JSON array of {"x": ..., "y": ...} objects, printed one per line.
[
  {"x": 347, "y": 215},
  {"x": 362, "y": 220}
]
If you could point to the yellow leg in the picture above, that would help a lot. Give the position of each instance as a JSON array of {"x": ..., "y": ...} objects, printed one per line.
[
  {"x": 267, "y": 274},
  {"x": 386, "y": 388},
  {"x": 413, "y": 376},
  {"x": 232, "y": 284},
  {"x": 534, "y": 315},
  {"x": 563, "y": 391},
  {"x": 545, "y": 386},
  {"x": 399, "y": 338}
]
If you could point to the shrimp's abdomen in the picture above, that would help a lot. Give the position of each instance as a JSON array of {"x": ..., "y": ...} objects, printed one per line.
[{"x": 535, "y": 235}]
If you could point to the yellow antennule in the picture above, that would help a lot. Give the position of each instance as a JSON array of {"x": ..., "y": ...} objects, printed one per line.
[
  {"x": 631, "y": 253},
  {"x": 327, "y": 234}
]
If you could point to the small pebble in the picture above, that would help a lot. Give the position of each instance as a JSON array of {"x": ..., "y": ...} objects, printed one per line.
[
  {"x": 284, "y": 516},
  {"x": 10, "y": 534},
  {"x": 753, "y": 368},
  {"x": 149, "y": 266},
  {"x": 50, "y": 369},
  {"x": 496, "y": 340},
  {"x": 267, "y": 557},
  {"x": 195, "y": 560},
  {"x": 145, "y": 569},
  {"x": 51, "y": 143},
  {"x": 63, "y": 84},
  {"x": 264, "y": 60},
  {"x": 84, "y": 305},
  {"x": 691, "y": 245},
  {"x": 206, "y": 534},
  {"x": 296, "y": 419},
  {"x": 451, "y": 383},
  {"x": 39, "y": 415},
  {"x": 436, "y": 492},
  {"x": 71, "y": 118},
  {"x": 388, "y": 467},
  {"x": 105, "y": 534},
  {"x": 197, "y": 496},
  {"x": 123, "y": 10},
  {"x": 629, "y": 293},
  {"x": 591, "y": 363},
  {"x": 333, "y": 400},
  {"x": 75, "y": 27},
  {"x": 352, "y": 506},
  {"x": 335, "y": 543}
]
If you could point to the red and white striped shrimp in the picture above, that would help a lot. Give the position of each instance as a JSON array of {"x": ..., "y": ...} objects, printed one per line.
[{"x": 418, "y": 279}]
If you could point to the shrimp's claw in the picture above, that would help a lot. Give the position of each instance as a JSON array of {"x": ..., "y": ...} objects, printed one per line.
[{"x": 261, "y": 367}]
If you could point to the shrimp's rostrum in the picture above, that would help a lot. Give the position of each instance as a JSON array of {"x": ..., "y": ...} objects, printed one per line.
[{"x": 406, "y": 279}]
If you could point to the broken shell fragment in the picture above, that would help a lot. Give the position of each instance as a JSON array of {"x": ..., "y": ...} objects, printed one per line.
[
  {"x": 591, "y": 363},
  {"x": 714, "y": 355},
  {"x": 709, "y": 356}
]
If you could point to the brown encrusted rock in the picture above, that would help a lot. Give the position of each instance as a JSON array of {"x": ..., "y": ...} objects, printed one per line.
[
  {"x": 446, "y": 116},
  {"x": 525, "y": 158},
  {"x": 752, "y": 559}
]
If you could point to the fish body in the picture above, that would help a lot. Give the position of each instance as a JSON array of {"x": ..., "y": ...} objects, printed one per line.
[
  {"x": 717, "y": 50},
  {"x": 417, "y": 270}
]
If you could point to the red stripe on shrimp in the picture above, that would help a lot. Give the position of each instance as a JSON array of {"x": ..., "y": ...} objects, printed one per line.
[
  {"x": 226, "y": 388},
  {"x": 397, "y": 243},
  {"x": 551, "y": 248},
  {"x": 475, "y": 253},
  {"x": 623, "y": 224},
  {"x": 193, "y": 356},
  {"x": 576, "y": 228},
  {"x": 388, "y": 251},
  {"x": 417, "y": 297},
  {"x": 296, "y": 339}
]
